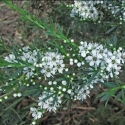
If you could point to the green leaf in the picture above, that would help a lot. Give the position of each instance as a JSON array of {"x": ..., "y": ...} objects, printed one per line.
[
  {"x": 102, "y": 94},
  {"x": 60, "y": 79},
  {"x": 68, "y": 31},
  {"x": 108, "y": 41},
  {"x": 90, "y": 79},
  {"x": 3, "y": 63},
  {"x": 54, "y": 100},
  {"x": 105, "y": 97},
  {"x": 118, "y": 12},
  {"x": 30, "y": 92},
  {"x": 110, "y": 30},
  {"x": 14, "y": 103},
  {"x": 67, "y": 96},
  {"x": 21, "y": 77},
  {"x": 115, "y": 40},
  {"x": 87, "y": 71},
  {"x": 15, "y": 74},
  {"x": 59, "y": 28},
  {"x": 106, "y": 102},
  {"x": 109, "y": 84},
  {"x": 118, "y": 95},
  {"x": 123, "y": 96},
  {"x": 95, "y": 87}
]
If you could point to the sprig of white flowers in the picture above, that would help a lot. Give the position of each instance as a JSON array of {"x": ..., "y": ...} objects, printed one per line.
[
  {"x": 50, "y": 63},
  {"x": 85, "y": 10},
  {"x": 89, "y": 10},
  {"x": 91, "y": 56},
  {"x": 99, "y": 57}
]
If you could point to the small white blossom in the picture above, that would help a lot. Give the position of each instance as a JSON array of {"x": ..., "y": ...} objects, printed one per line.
[
  {"x": 5, "y": 97},
  {"x": 82, "y": 93},
  {"x": 60, "y": 87},
  {"x": 64, "y": 89},
  {"x": 14, "y": 95},
  {"x": 35, "y": 113},
  {"x": 69, "y": 91},
  {"x": 75, "y": 61},
  {"x": 54, "y": 82},
  {"x": 79, "y": 64},
  {"x": 11, "y": 58},
  {"x": 66, "y": 69},
  {"x": 64, "y": 82}
]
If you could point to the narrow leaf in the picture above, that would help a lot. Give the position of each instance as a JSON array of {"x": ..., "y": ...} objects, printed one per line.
[
  {"x": 110, "y": 30},
  {"x": 105, "y": 97}
]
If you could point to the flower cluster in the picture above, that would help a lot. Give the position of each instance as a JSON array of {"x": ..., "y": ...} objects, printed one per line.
[
  {"x": 49, "y": 63},
  {"x": 48, "y": 101},
  {"x": 99, "y": 57},
  {"x": 95, "y": 10},
  {"x": 26, "y": 54},
  {"x": 49, "y": 104},
  {"x": 36, "y": 113},
  {"x": 82, "y": 93},
  {"x": 52, "y": 99},
  {"x": 85, "y": 10},
  {"x": 17, "y": 95}
]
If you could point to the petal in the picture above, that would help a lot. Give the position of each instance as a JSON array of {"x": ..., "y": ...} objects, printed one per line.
[{"x": 91, "y": 63}]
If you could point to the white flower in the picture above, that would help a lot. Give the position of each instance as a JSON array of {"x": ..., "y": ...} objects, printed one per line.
[
  {"x": 75, "y": 61},
  {"x": 14, "y": 95},
  {"x": 64, "y": 89},
  {"x": 51, "y": 63},
  {"x": 11, "y": 58},
  {"x": 71, "y": 62},
  {"x": 83, "y": 54},
  {"x": 50, "y": 82},
  {"x": 35, "y": 113},
  {"x": 54, "y": 82},
  {"x": 48, "y": 103},
  {"x": 66, "y": 69},
  {"x": 60, "y": 87},
  {"x": 33, "y": 123},
  {"x": 85, "y": 10},
  {"x": 48, "y": 74},
  {"x": 51, "y": 88},
  {"x": 69, "y": 91},
  {"x": 79, "y": 64},
  {"x": 94, "y": 59},
  {"x": 19, "y": 94},
  {"x": 64, "y": 82},
  {"x": 82, "y": 93}
]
